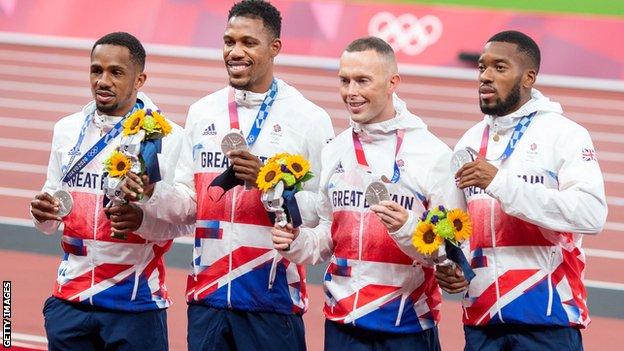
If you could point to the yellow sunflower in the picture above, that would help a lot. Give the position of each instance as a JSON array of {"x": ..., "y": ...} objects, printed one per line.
[
  {"x": 297, "y": 165},
  {"x": 118, "y": 164},
  {"x": 461, "y": 222},
  {"x": 268, "y": 176},
  {"x": 133, "y": 124},
  {"x": 278, "y": 157},
  {"x": 162, "y": 122},
  {"x": 425, "y": 240}
]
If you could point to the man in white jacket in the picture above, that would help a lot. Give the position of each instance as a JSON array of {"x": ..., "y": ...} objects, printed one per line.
[
  {"x": 110, "y": 292},
  {"x": 534, "y": 189},
  {"x": 242, "y": 294},
  {"x": 380, "y": 293}
]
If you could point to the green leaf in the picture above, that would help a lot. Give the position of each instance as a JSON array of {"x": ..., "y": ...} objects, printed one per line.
[{"x": 307, "y": 177}]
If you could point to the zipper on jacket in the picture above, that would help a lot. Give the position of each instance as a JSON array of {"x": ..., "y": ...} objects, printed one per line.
[
  {"x": 273, "y": 271},
  {"x": 493, "y": 233},
  {"x": 550, "y": 288},
  {"x": 230, "y": 237},
  {"x": 401, "y": 308},
  {"x": 138, "y": 267},
  {"x": 93, "y": 252},
  {"x": 356, "y": 276}
]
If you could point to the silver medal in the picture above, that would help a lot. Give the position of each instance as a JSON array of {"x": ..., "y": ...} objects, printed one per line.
[
  {"x": 460, "y": 158},
  {"x": 233, "y": 141},
  {"x": 66, "y": 202},
  {"x": 376, "y": 192}
]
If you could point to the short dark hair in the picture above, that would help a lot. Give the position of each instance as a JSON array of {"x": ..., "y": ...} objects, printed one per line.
[
  {"x": 370, "y": 43},
  {"x": 137, "y": 52},
  {"x": 524, "y": 43},
  {"x": 260, "y": 9}
]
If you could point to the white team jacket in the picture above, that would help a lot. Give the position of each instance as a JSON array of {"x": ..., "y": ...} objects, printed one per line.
[
  {"x": 526, "y": 246},
  {"x": 375, "y": 280},
  {"x": 126, "y": 275},
  {"x": 234, "y": 263}
]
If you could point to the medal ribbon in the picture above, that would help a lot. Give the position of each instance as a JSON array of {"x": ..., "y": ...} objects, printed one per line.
[
  {"x": 361, "y": 156},
  {"x": 261, "y": 117},
  {"x": 95, "y": 149},
  {"x": 518, "y": 132}
]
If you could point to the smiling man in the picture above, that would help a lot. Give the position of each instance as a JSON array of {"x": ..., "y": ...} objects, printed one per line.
[
  {"x": 242, "y": 295},
  {"x": 533, "y": 191},
  {"x": 380, "y": 293},
  {"x": 109, "y": 293}
]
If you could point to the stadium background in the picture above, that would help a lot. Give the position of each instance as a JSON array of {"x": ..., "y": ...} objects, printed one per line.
[{"x": 44, "y": 48}]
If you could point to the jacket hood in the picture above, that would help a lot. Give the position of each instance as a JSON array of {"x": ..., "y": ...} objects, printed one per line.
[{"x": 403, "y": 119}]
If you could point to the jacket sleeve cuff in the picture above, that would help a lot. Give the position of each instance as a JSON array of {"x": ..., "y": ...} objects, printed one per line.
[
  {"x": 497, "y": 185},
  {"x": 296, "y": 250},
  {"x": 404, "y": 234},
  {"x": 148, "y": 202}
]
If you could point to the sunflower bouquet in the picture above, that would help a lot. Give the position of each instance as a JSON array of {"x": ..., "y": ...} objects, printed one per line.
[
  {"x": 437, "y": 225},
  {"x": 439, "y": 234},
  {"x": 137, "y": 153},
  {"x": 279, "y": 179},
  {"x": 293, "y": 170}
]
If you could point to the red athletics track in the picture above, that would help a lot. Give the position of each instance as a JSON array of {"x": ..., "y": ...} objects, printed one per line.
[{"x": 40, "y": 85}]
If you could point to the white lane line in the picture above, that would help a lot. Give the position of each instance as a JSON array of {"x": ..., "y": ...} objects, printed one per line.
[
  {"x": 39, "y": 88},
  {"x": 603, "y": 285},
  {"x": 612, "y": 254},
  {"x": 25, "y": 144},
  {"x": 23, "y": 167},
  {"x": 613, "y": 177},
  {"x": 51, "y": 106},
  {"x": 15, "y": 192},
  {"x": 615, "y": 226},
  {"x": 29, "y": 337},
  {"x": 38, "y": 124},
  {"x": 28, "y": 346},
  {"x": 615, "y": 201},
  {"x": 84, "y": 92},
  {"x": 65, "y": 109},
  {"x": 22, "y": 222},
  {"x": 610, "y": 156}
]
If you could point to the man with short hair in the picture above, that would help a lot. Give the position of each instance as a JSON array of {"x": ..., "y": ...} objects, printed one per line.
[
  {"x": 381, "y": 294},
  {"x": 110, "y": 293},
  {"x": 534, "y": 189},
  {"x": 242, "y": 294}
]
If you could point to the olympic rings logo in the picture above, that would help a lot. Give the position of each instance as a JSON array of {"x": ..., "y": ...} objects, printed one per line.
[{"x": 407, "y": 32}]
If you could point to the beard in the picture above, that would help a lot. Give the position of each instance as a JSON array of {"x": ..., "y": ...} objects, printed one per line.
[
  {"x": 107, "y": 109},
  {"x": 120, "y": 102},
  {"x": 240, "y": 86},
  {"x": 504, "y": 107}
]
